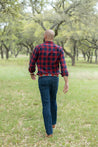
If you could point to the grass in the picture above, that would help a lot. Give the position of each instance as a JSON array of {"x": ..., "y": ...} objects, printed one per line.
[{"x": 21, "y": 121}]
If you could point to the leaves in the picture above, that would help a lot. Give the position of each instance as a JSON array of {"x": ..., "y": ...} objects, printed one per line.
[{"x": 72, "y": 19}]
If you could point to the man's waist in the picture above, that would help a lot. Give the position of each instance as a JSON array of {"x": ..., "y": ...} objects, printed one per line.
[{"x": 47, "y": 74}]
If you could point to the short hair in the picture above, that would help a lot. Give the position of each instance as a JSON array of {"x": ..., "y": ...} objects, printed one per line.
[{"x": 50, "y": 34}]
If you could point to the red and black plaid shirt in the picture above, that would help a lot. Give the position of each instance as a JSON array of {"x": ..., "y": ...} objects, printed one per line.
[{"x": 48, "y": 56}]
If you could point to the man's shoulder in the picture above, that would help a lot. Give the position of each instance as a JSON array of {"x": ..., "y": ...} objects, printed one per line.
[
  {"x": 53, "y": 45},
  {"x": 58, "y": 47}
]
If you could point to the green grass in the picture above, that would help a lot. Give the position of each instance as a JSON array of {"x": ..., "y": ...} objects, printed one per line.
[{"x": 21, "y": 121}]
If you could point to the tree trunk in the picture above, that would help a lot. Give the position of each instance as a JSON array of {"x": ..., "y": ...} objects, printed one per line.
[
  {"x": 88, "y": 56},
  {"x": 11, "y": 52},
  {"x": 74, "y": 53},
  {"x": 2, "y": 57},
  {"x": 69, "y": 54},
  {"x": 96, "y": 56},
  {"x": 7, "y": 54},
  {"x": 77, "y": 54},
  {"x": 32, "y": 48},
  {"x": 7, "y": 50},
  {"x": 73, "y": 60},
  {"x": 91, "y": 57},
  {"x": 27, "y": 52},
  {"x": 17, "y": 53},
  {"x": 84, "y": 55}
]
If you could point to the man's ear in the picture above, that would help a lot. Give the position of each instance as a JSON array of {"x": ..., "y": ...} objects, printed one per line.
[{"x": 45, "y": 37}]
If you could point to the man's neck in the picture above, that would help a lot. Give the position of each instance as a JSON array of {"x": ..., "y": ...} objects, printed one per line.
[{"x": 48, "y": 40}]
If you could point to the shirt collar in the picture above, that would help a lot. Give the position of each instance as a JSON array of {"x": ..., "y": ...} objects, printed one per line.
[{"x": 48, "y": 41}]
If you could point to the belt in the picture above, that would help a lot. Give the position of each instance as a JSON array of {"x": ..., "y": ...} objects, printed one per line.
[{"x": 48, "y": 75}]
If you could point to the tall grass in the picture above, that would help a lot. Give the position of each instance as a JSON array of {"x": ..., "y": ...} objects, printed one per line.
[{"x": 21, "y": 121}]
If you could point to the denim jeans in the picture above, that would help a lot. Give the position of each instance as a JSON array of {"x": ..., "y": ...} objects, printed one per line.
[{"x": 48, "y": 86}]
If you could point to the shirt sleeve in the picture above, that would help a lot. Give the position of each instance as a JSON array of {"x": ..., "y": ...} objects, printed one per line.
[
  {"x": 64, "y": 71},
  {"x": 33, "y": 60}
]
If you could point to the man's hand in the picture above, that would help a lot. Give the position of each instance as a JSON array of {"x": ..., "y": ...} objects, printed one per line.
[
  {"x": 66, "y": 88},
  {"x": 33, "y": 76}
]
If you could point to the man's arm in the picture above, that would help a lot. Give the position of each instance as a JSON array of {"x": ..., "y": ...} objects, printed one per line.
[
  {"x": 64, "y": 71},
  {"x": 32, "y": 63},
  {"x": 66, "y": 86}
]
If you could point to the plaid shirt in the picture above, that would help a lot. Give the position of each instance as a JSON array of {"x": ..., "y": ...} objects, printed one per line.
[{"x": 48, "y": 56}]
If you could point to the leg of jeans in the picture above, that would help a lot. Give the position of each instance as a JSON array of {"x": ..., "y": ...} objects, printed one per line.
[
  {"x": 53, "y": 94},
  {"x": 45, "y": 97}
]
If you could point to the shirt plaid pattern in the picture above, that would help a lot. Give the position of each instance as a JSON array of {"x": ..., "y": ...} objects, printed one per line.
[{"x": 48, "y": 56}]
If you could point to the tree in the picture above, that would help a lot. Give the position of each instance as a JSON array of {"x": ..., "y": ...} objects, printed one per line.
[
  {"x": 90, "y": 40},
  {"x": 31, "y": 35},
  {"x": 71, "y": 13},
  {"x": 9, "y": 7},
  {"x": 71, "y": 20},
  {"x": 9, "y": 10}
]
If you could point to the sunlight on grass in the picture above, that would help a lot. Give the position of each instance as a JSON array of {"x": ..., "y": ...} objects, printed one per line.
[{"x": 21, "y": 121}]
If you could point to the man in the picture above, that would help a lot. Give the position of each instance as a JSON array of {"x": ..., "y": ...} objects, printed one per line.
[{"x": 48, "y": 56}]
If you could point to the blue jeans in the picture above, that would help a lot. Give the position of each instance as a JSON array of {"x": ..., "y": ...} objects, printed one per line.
[{"x": 48, "y": 86}]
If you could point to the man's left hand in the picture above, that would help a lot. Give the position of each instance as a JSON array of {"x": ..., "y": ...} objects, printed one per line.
[{"x": 33, "y": 76}]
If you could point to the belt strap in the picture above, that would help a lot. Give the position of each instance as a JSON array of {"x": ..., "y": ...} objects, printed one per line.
[{"x": 48, "y": 75}]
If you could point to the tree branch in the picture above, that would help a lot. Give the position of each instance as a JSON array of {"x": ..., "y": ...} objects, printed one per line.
[
  {"x": 89, "y": 46},
  {"x": 24, "y": 45},
  {"x": 53, "y": 26},
  {"x": 71, "y": 6},
  {"x": 66, "y": 52},
  {"x": 57, "y": 28},
  {"x": 41, "y": 24},
  {"x": 92, "y": 42},
  {"x": 6, "y": 46}
]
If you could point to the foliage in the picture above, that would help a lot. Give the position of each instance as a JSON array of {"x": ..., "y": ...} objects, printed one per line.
[
  {"x": 74, "y": 22},
  {"x": 9, "y": 8}
]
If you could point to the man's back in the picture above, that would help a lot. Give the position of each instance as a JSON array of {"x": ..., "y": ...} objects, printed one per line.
[{"x": 48, "y": 56}]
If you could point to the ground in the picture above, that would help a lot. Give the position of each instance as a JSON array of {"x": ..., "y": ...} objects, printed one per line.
[{"x": 21, "y": 121}]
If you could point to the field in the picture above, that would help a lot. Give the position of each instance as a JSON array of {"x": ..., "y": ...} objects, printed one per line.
[{"x": 21, "y": 121}]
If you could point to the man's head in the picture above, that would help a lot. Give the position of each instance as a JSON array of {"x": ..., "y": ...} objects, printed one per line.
[{"x": 49, "y": 35}]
